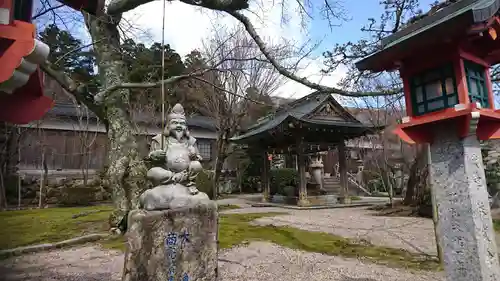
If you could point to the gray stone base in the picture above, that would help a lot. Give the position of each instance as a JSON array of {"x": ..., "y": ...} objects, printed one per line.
[
  {"x": 464, "y": 218},
  {"x": 170, "y": 196},
  {"x": 177, "y": 245},
  {"x": 320, "y": 200}
]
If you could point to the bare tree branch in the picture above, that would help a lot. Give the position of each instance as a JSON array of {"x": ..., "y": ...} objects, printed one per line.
[
  {"x": 76, "y": 50},
  {"x": 78, "y": 91},
  {"x": 116, "y": 7},
  {"x": 46, "y": 11},
  {"x": 228, "y": 92},
  {"x": 99, "y": 97},
  {"x": 302, "y": 80}
]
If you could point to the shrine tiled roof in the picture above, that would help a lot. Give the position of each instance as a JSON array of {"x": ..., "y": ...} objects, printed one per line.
[
  {"x": 301, "y": 110},
  {"x": 480, "y": 10},
  {"x": 70, "y": 110}
]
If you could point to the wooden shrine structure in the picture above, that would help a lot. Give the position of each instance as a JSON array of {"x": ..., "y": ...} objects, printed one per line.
[{"x": 314, "y": 123}]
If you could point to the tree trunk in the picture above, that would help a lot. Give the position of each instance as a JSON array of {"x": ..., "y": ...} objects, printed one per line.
[
  {"x": 417, "y": 178},
  {"x": 219, "y": 163},
  {"x": 43, "y": 172},
  {"x": 19, "y": 186},
  {"x": 3, "y": 194},
  {"x": 388, "y": 186},
  {"x": 4, "y": 150},
  {"x": 7, "y": 151},
  {"x": 435, "y": 214},
  {"x": 126, "y": 171}
]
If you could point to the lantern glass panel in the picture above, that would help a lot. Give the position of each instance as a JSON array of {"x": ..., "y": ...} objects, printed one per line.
[
  {"x": 452, "y": 100},
  {"x": 449, "y": 86},
  {"x": 433, "y": 90},
  {"x": 419, "y": 94},
  {"x": 437, "y": 104},
  {"x": 476, "y": 83}
]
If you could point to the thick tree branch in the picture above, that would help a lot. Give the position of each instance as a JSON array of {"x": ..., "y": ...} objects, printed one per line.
[
  {"x": 229, "y": 92},
  {"x": 99, "y": 98},
  {"x": 41, "y": 13},
  {"x": 76, "y": 50},
  {"x": 78, "y": 91},
  {"x": 302, "y": 80},
  {"x": 116, "y": 7}
]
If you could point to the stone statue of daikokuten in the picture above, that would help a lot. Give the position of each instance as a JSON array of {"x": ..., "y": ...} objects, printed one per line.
[{"x": 179, "y": 164}]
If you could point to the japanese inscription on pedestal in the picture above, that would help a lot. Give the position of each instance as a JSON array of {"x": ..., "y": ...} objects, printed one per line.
[{"x": 171, "y": 242}]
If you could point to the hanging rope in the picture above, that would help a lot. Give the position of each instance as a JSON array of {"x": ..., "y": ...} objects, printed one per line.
[{"x": 163, "y": 76}]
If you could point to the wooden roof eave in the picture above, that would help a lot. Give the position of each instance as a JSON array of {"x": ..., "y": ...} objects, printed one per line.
[
  {"x": 259, "y": 132},
  {"x": 351, "y": 129},
  {"x": 451, "y": 20}
]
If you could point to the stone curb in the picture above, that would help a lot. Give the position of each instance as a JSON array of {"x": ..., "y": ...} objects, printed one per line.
[
  {"x": 50, "y": 246},
  {"x": 338, "y": 206}
]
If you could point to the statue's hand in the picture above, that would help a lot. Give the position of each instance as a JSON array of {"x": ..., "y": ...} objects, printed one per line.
[
  {"x": 179, "y": 177},
  {"x": 158, "y": 155}
]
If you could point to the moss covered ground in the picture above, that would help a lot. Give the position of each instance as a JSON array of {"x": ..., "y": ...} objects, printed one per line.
[{"x": 21, "y": 228}]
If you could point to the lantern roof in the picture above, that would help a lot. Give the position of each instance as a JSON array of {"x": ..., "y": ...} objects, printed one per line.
[{"x": 449, "y": 21}]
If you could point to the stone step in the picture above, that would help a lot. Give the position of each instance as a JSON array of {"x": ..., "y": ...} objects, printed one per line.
[{"x": 331, "y": 180}]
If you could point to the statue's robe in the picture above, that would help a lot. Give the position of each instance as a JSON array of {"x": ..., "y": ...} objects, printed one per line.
[{"x": 156, "y": 143}]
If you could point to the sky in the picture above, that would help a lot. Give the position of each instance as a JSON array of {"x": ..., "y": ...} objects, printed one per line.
[{"x": 187, "y": 26}]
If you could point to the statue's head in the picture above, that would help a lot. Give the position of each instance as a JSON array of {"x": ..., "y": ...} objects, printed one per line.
[{"x": 176, "y": 123}]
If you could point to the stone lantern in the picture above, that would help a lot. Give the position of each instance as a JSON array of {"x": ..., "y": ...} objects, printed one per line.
[{"x": 444, "y": 59}]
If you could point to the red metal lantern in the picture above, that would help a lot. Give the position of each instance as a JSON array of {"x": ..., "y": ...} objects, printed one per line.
[
  {"x": 21, "y": 86},
  {"x": 444, "y": 60},
  {"x": 21, "y": 89}
]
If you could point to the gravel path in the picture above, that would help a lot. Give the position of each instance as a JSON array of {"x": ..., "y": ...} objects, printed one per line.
[
  {"x": 262, "y": 261},
  {"x": 255, "y": 262},
  {"x": 242, "y": 203},
  {"x": 87, "y": 263},
  {"x": 259, "y": 260},
  {"x": 412, "y": 234}
]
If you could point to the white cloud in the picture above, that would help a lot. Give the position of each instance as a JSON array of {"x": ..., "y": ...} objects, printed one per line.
[
  {"x": 186, "y": 26},
  {"x": 311, "y": 71}
]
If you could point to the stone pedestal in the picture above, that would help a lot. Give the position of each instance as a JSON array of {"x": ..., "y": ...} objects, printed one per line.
[
  {"x": 172, "y": 245},
  {"x": 465, "y": 225}
]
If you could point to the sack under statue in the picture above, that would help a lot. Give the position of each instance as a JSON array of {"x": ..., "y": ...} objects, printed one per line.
[{"x": 174, "y": 178}]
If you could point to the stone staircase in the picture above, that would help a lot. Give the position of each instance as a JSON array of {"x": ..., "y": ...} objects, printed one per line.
[{"x": 332, "y": 185}]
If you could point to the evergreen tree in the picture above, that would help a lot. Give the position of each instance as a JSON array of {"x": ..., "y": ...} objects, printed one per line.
[{"x": 70, "y": 55}]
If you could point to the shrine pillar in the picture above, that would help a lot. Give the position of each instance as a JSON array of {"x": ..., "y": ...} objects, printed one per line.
[
  {"x": 266, "y": 178},
  {"x": 344, "y": 192},
  {"x": 459, "y": 183},
  {"x": 301, "y": 162}
]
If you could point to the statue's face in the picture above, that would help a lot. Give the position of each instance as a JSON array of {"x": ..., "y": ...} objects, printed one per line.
[{"x": 177, "y": 128}]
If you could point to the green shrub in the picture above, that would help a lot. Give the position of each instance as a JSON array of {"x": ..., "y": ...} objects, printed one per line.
[
  {"x": 77, "y": 195},
  {"x": 290, "y": 191},
  {"x": 250, "y": 184},
  {"x": 204, "y": 183},
  {"x": 281, "y": 178}
]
